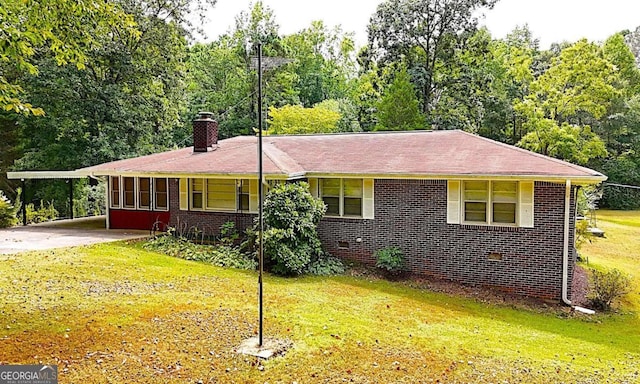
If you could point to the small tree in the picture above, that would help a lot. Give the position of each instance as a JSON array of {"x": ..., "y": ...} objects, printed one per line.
[
  {"x": 291, "y": 216},
  {"x": 7, "y": 212},
  {"x": 399, "y": 109}
]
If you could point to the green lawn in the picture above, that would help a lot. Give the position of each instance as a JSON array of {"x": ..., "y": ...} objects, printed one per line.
[{"x": 117, "y": 313}]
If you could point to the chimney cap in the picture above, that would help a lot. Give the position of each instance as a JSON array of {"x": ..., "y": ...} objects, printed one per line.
[{"x": 205, "y": 115}]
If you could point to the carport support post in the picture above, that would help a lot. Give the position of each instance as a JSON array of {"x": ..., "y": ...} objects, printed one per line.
[
  {"x": 24, "y": 202},
  {"x": 70, "y": 197}
]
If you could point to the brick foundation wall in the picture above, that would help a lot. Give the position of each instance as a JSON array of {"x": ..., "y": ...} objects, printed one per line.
[{"x": 411, "y": 214}]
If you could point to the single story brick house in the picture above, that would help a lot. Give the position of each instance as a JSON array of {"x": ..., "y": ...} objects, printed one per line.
[{"x": 460, "y": 206}]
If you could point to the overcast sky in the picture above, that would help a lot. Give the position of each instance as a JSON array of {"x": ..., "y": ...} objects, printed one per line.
[{"x": 550, "y": 20}]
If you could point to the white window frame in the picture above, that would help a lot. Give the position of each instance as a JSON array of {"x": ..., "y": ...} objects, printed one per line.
[
  {"x": 252, "y": 184},
  {"x": 138, "y": 192},
  {"x": 342, "y": 197},
  {"x": 110, "y": 188},
  {"x": 489, "y": 205},
  {"x": 154, "y": 194},
  {"x": 133, "y": 207}
]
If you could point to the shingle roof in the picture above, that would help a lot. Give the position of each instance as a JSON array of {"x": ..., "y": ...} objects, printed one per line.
[{"x": 393, "y": 154}]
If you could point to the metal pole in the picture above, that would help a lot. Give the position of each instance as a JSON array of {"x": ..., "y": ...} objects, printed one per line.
[
  {"x": 24, "y": 202},
  {"x": 260, "y": 193}
]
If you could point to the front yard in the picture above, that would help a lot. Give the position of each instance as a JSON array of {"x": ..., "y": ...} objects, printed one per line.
[{"x": 117, "y": 313}]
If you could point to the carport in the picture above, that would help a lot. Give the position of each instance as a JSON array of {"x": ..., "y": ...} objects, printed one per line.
[{"x": 23, "y": 176}]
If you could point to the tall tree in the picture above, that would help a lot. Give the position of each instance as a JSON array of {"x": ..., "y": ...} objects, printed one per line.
[
  {"x": 66, "y": 29},
  {"x": 574, "y": 92},
  {"x": 425, "y": 34},
  {"x": 399, "y": 108}
]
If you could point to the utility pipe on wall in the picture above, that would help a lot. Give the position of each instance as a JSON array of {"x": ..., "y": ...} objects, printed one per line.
[{"x": 565, "y": 249}]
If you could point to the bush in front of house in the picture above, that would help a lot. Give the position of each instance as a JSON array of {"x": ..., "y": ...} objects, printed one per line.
[
  {"x": 222, "y": 255},
  {"x": 607, "y": 287},
  {"x": 7, "y": 212},
  {"x": 326, "y": 265},
  {"x": 291, "y": 216},
  {"x": 390, "y": 259}
]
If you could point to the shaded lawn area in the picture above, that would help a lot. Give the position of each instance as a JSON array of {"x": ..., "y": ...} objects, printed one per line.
[{"x": 117, "y": 313}]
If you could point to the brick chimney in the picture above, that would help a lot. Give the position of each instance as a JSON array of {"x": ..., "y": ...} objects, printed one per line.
[{"x": 205, "y": 132}]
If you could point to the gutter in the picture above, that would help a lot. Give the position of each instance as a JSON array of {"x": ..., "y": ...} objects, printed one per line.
[{"x": 565, "y": 250}]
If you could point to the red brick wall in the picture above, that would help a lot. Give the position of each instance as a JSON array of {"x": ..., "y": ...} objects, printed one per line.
[{"x": 411, "y": 214}]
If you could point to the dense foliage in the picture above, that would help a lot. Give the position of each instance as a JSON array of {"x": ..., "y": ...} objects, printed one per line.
[
  {"x": 135, "y": 81},
  {"x": 7, "y": 212},
  {"x": 291, "y": 216},
  {"x": 221, "y": 255},
  {"x": 390, "y": 259}
]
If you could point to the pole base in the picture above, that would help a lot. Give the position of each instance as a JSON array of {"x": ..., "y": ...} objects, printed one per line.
[{"x": 269, "y": 348}]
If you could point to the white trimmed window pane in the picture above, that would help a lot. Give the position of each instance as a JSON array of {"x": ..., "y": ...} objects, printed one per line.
[
  {"x": 115, "y": 191},
  {"x": 475, "y": 212},
  {"x": 476, "y": 190},
  {"x": 352, "y": 206},
  {"x": 129, "y": 194},
  {"x": 196, "y": 193},
  {"x": 330, "y": 187},
  {"x": 161, "y": 193},
  {"x": 221, "y": 194},
  {"x": 144, "y": 192},
  {"x": 504, "y": 213},
  {"x": 353, "y": 188},
  {"x": 505, "y": 191},
  {"x": 333, "y": 205}
]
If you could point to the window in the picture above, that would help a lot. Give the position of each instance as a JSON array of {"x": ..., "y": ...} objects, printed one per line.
[
  {"x": 161, "y": 194},
  {"x": 343, "y": 197},
  {"x": 243, "y": 195},
  {"x": 475, "y": 201},
  {"x": 197, "y": 193},
  {"x": 330, "y": 192},
  {"x": 352, "y": 197},
  {"x": 144, "y": 193},
  {"x": 490, "y": 202},
  {"x": 220, "y": 194},
  {"x": 115, "y": 192},
  {"x": 504, "y": 199},
  {"x": 129, "y": 192}
]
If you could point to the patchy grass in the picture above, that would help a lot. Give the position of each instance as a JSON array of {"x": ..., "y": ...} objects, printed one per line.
[
  {"x": 620, "y": 248},
  {"x": 116, "y": 313}
]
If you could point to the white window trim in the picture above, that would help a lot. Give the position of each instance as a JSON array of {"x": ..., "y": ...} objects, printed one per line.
[
  {"x": 153, "y": 194},
  {"x": 110, "y": 192},
  {"x": 489, "y": 207},
  {"x": 341, "y": 199},
  {"x": 236, "y": 209},
  {"x": 135, "y": 194}
]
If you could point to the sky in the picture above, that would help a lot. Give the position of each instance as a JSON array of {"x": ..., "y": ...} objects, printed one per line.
[{"x": 549, "y": 20}]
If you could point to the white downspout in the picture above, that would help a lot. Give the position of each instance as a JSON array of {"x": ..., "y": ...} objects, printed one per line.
[
  {"x": 565, "y": 250},
  {"x": 108, "y": 203}
]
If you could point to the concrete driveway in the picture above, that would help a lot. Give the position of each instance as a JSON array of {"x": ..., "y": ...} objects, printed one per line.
[{"x": 63, "y": 233}]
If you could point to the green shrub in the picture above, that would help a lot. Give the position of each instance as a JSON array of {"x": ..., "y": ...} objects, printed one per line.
[
  {"x": 390, "y": 259},
  {"x": 7, "y": 212},
  {"x": 222, "y": 255},
  {"x": 291, "y": 216},
  {"x": 606, "y": 287},
  {"x": 326, "y": 266},
  {"x": 228, "y": 233},
  {"x": 41, "y": 214}
]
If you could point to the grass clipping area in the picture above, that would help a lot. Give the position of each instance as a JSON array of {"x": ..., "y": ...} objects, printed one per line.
[{"x": 116, "y": 313}]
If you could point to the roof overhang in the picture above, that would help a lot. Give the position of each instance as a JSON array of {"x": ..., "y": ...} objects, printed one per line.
[{"x": 25, "y": 175}]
